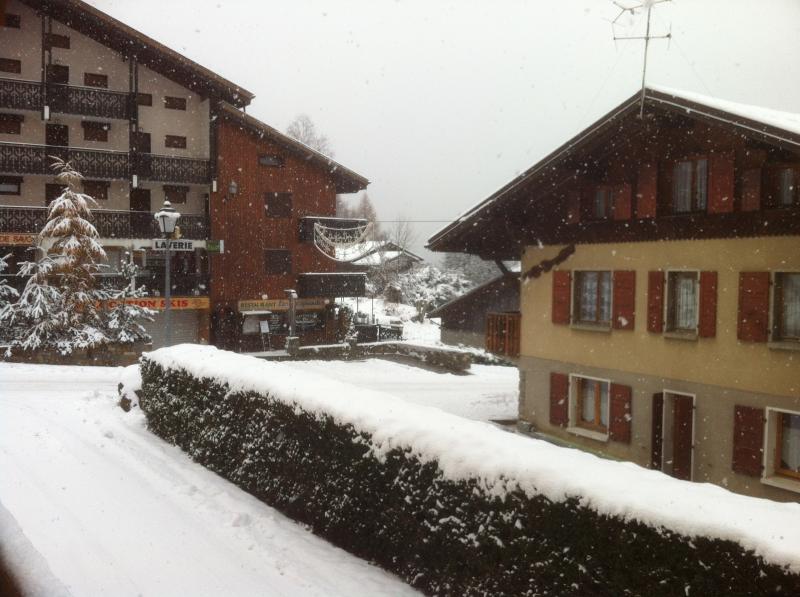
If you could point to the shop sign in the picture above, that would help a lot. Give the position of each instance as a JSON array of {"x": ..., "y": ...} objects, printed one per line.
[
  {"x": 158, "y": 303},
  {"x": 160, "y": 244},
  {"x": 17, "y": 239},
  {"x": 302, "y": 304}
]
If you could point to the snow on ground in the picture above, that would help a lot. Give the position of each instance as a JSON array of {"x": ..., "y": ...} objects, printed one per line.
[
  {"x": 486, "y": 393},
  {"x": 114, "y": 510}
]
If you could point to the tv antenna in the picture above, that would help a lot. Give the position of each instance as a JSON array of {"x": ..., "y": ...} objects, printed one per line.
[{"x": 632, "y": 8}]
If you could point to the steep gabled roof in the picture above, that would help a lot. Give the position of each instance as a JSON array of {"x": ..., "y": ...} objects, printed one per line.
[
  {"x": 781, "y": 129},
  {"x": 126, "y": 40},
  {"x": 502, "y": 283},
  {"x": 346, "y": 180}
]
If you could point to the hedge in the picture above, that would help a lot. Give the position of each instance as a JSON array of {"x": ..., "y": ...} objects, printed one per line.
[{"x": 442, "y": 536}]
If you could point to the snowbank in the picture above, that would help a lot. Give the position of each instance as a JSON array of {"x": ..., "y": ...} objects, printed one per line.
[{"x": 501, "y": 462}]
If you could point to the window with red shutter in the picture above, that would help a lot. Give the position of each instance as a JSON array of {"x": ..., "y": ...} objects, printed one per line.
[
  {"x": 559, "y": 399},
  {"x": 624, "y": 303},
  {"x": 622, "y": 202},
  {"x": 748, "y": 440},
  {"x": 707, "y": 326},
  {"x": 753, "y": 316},
  {"x": 561, "y": 296},
  {"x": 720, "y": 183},
  {"x": 647, "y": 191},
  {"x": 655, "y": 302},
  {"x": 621, "y": 413}
]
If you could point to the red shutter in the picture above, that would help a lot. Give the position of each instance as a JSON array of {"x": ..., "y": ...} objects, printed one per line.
[
  {"x": 657, "y": 434},
  {"x": 655, "y": 302},
  {"x": 622, "y": 202},
  {"x": 707, "y": 327},
  {"x": 753, "y": 323},
  {"x": 748, "y": 440},
  {"x": 624, "y": 301},
  {"x": 647, "y": 191},
  {"x": 619, "y": 428},
  {"x": 561, "y": 296},
  {"x": 751, "y": 189},
  {"x": 559, "y": 399},
  {"x": 720, "y": 183},
  {"x": 573, "y": 207}
]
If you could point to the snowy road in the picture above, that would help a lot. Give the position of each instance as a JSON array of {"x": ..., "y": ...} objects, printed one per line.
[{"x": 113, "y": 510}]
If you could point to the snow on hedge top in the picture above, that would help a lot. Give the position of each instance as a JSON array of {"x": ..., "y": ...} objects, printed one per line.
[{"x": 502, "y": 461}]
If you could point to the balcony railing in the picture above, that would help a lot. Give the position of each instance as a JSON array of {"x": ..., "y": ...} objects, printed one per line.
[
  {"x": 109, "y": 223},
  {"x": 26, "y": 158},
  {"x": 20, "y": 95},
  {"x": 306, "y": 225},
  {"x": 67, "y": 99}
]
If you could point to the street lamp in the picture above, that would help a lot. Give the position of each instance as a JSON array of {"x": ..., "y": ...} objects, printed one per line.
[{"x": 167, "y": 217}]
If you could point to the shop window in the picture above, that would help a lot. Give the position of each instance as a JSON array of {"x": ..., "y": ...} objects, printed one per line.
[
  {"x": 175, "y": 103},
  {"x": 11, "y": 124},
  {"x": 176, "y": 194},
  {"x": 10, "y": 185},
  {"x": 690, "y": 185},
  {"x": 95, "y": 131},
  {"x": 592, "y": 298},
  {"x": 590, "y": 403},
  {"x": 96, "y": 189},
  {"x": 95, "y": 80},
  {"x": 682, "y": 301},
  {"x": 278, "y": 205},
  {"x": 175, "y": 142},
  {"x": 786, "y": 307},
  {"x": 277, "y": 262},
  {"x": 9, "y": 65}
]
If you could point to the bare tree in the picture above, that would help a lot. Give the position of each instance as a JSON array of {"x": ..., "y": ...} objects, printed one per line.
[{"x": 304, "y": 130}]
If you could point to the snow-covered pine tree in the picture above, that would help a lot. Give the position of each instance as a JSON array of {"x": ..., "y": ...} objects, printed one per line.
[
  {"x": 123, "y": 320},
  {"x": 7, "y": 294},
  {"x": 58, "y": 308}
]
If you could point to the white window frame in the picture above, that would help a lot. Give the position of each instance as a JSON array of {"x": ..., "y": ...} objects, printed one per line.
[
  {"x": 666, "y": 392},
  {"x": 683, "y": 334},
  {"x": 581, "y": 325},
  {"x": 773, "y": 342},
  {"x": 768, "y": 475},
  {"x": 573, "y": 425}
]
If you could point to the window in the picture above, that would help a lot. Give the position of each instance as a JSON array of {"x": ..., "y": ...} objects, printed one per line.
[
  {"x": 175, "y": 142},
  {"x": 175, "y": 194},
  {"x": 786, "y": 309},
  {"x": 277, "y": 261},
  {"x": 54, "y": 40},
  {"x": 9, "y": 65},
  {"x": 271, "y": 161},
  {"x": 11, "y": 124},
  {"x": 682, "y": 301},
  {"x": 95, "y": 80},
  {"x": 591, "y": 403},
  {"x": 602, "y": 203},
  {"x": 690, "y": 185},
  {"x": 278, "y": 205},
  {"x": 175, "y": 103},
  {"x": 12, "y": 21},
  {"x": 10, "y": 185},
  {"x": 144, "y": 99},
  {"x": 95, "y": 131},
  {"x": 592, "y": 298},
  {"x": 787, "y": 445},
  {"x": 57, "y": 73},
  {"x": 96, "y": 189},
  {"x": 781, "y": 186},
  {"x": 52, "y": 191}
]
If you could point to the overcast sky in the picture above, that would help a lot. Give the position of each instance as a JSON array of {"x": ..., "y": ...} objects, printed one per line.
[{"x": 439, "y": 103}]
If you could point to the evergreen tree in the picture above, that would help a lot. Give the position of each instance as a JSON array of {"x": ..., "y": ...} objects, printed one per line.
[
  {"x": 7, "y": 294},
  {"x": 123, "y": 319}
]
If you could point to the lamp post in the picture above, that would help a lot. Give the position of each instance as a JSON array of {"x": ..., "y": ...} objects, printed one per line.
[{"x": 167, "y": 217}]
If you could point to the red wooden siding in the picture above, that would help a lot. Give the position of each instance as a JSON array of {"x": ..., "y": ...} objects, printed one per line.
[
  {"x": 655, "y": 302},
  {"x": 720, "y": 183},
  {"x": 503, "y": 333},
  {"x": 753, "y": 316},
  {"x": 624, "y": 300},
  {"x": 573, "y": 207},
  {"x": 751, "y": 189},
  {"x": 707, "y": 325},
  {"x": 748, "y": 440},
  {"x": 622, "y": 202},
  {"x": 657, "y": 431},
  {"x": 559, "y": 399},
  {"x": 647, "y": 191},
  {"x": 620, "y": 418},
  {"x": 562, "y": 282}
]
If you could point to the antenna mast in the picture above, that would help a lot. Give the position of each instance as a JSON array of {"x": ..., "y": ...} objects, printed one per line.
[{"x": 647, "y": 4}]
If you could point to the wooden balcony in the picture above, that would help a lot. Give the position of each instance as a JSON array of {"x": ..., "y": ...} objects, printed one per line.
[
  {"x": 27, "y": 158},
  {"x": 65, "y": 99},
  {"x": 503, "y": 333},
  {"x": 20, "y": 95},
  {"x": 109, "y": 223}
]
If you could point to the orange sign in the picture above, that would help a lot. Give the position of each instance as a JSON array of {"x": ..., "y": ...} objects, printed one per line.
[
  {"x": 17, "y": 239},
  {"x": 158, "y": 303}
]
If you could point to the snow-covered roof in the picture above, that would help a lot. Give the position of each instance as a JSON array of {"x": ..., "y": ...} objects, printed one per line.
[{"x": 378, "y": 257}]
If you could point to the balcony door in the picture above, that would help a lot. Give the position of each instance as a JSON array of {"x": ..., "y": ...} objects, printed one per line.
[
  {"x": 57, "y": 80},
  {"x": 56, "y": 137},
  {"x": 675, "y": 447},
  {"x": 141, "y": 216},
  {"x": 140, "y": 143}
]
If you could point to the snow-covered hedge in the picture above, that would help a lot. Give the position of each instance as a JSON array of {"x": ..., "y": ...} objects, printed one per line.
[{"x": 457, "y": 506}]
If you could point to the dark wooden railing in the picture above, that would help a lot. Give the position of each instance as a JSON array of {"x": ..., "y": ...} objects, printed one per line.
[
  {"x": 306, "y": 225},
  {"x": 66, "y": 99},
  {"x": 20, "y": 95},
  {"x": 109, "y": 223},
  {"x": 503, "y": 333},
  {"x": 27, "y": 158}
]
